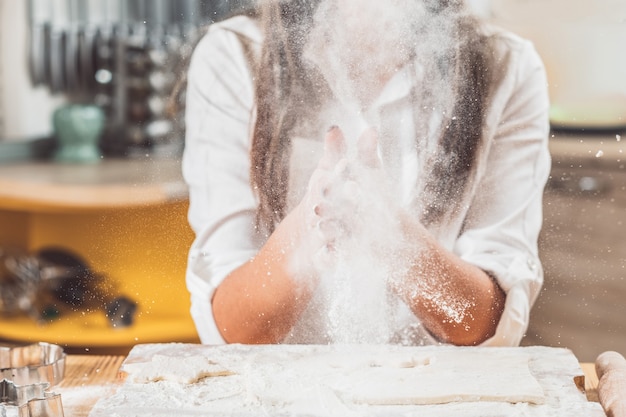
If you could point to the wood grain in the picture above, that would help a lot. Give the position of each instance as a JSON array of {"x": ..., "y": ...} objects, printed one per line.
[
  {"x": 83, "y": 370},
  {"x": 87, "y": 379}
]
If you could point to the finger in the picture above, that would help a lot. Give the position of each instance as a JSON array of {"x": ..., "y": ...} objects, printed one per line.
[
  {"x": 367, "y": 148},
  {"x": 325, "y": 258},
  {"x": 351, "y": 192},
  {"x": 335, "y": 141},
  {"x": 330, "y": 229},
  {"x": 323, "y": 183},
  {"x": 318, "y": 182},
  {"x": 341, "y": 171},
  {"x": 338, "y": 202},
  {"x": 329, "y": 210},
  {"x": 334, "y": 147}
]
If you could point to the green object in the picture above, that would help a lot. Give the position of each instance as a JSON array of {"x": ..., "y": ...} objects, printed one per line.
[{"x": 78, "y": 128}]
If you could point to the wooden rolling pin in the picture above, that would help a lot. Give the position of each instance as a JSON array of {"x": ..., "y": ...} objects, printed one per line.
[{"x": 611, "y": 370}]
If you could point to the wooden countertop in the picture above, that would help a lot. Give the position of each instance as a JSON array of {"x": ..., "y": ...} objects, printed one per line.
[
  {"x": 90, "y": 377},
  {"x": 111, "y": 183}
]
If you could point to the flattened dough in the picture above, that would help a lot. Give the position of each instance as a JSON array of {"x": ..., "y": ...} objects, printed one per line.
[
  {"x": 404, "y": 378},
  {"x": 355, "y": 376},
  {"x": 348, "y": 381},
  {"x": 185, "y": 370},
  {"x": 463, "y": 376}
]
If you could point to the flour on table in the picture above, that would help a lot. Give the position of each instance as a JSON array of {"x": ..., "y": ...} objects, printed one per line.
[
  {"x": 346, "y": 381},
  {"x": 186, "y": 370}
]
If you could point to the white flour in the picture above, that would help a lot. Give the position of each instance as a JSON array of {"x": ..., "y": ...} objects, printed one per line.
[
  {"x": 354, "y": 303},
  {"x": 332, "y": 381},
  {"x": 79, "y": 400}
]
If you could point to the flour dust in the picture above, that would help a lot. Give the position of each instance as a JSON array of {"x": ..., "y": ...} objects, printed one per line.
[{"x": 358, "y": 45}]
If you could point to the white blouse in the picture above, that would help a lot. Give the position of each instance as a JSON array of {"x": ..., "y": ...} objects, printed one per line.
[{"x": 496, "y": 229}]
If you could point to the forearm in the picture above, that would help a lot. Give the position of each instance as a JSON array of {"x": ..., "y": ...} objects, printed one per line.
[
  {"x": 260, "y": 301},
  {"x": 458, "y": 302}
]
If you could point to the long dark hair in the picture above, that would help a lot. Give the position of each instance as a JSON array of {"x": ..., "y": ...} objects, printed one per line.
[{"x": 285, "y": 90}]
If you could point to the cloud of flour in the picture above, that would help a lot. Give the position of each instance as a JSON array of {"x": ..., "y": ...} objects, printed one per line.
[
  {"x": 360, "y": 42},
  {"x": 356, "y": 44}
]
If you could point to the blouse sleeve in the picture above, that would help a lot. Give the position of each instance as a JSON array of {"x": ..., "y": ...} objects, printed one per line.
[
  {"x": 502, "y": 228},
  {"x": 219, "y": 107}
]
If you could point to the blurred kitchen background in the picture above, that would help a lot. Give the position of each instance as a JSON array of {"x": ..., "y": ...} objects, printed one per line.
[
  {"x": 111, "y": 231},
  {"x": 124, "y": 56}
]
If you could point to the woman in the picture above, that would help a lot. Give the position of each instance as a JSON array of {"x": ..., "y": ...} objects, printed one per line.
[{"x": 364, "y": 172}]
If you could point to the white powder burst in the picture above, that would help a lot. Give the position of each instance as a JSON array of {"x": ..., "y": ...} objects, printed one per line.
[{"x": 359, "y": 306}]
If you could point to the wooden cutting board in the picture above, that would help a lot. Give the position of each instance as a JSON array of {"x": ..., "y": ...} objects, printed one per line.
[
  {"x": 87, "y": 379},
  {"x": 556, "y": 370}
]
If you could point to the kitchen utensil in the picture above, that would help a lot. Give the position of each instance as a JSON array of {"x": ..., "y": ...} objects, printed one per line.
[
  {"x": 28, "y": 372},
  {"x": 58, "y": 41},
  {"x": 33, "y": 364},
  {"x": 120, "y": 55},
  {"x": 611, "y": 370},
  {"x": 73, "y": 34},
  {"x": 106, "y": 36},
  {"x": 86, "y": 46},
  {"x": 39, "y": 16},
  {"x": 29, "y": 400}
]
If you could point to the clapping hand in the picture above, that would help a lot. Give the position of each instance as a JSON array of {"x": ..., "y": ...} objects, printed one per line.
[{"x": 347, "y": 196}]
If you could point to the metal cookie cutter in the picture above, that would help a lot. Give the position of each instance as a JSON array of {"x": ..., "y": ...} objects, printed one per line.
[
  {"x": 26, "y": 372},
  {"x": 29, "y": 400},
  {"x": 32, "y": 364}
]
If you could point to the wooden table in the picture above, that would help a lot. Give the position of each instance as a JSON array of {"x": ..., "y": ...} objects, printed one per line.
[
  {"x": 90, "y": 377},
  {"x": 87, "y": 378}
]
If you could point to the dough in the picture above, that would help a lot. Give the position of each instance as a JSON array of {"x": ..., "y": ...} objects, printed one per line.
[
  {"x": 397, "y": 377},
  {"x": 188, "y": 380},
  {"x": 403, "y": 378},
  {"x": 442, "y": 378},
  {"x": 185, "y": 370}
]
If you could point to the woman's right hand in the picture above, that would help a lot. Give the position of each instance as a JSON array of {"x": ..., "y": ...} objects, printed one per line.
[
  {"x": 319, "y": 214},
  {"x": 334, "y": 198}
]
